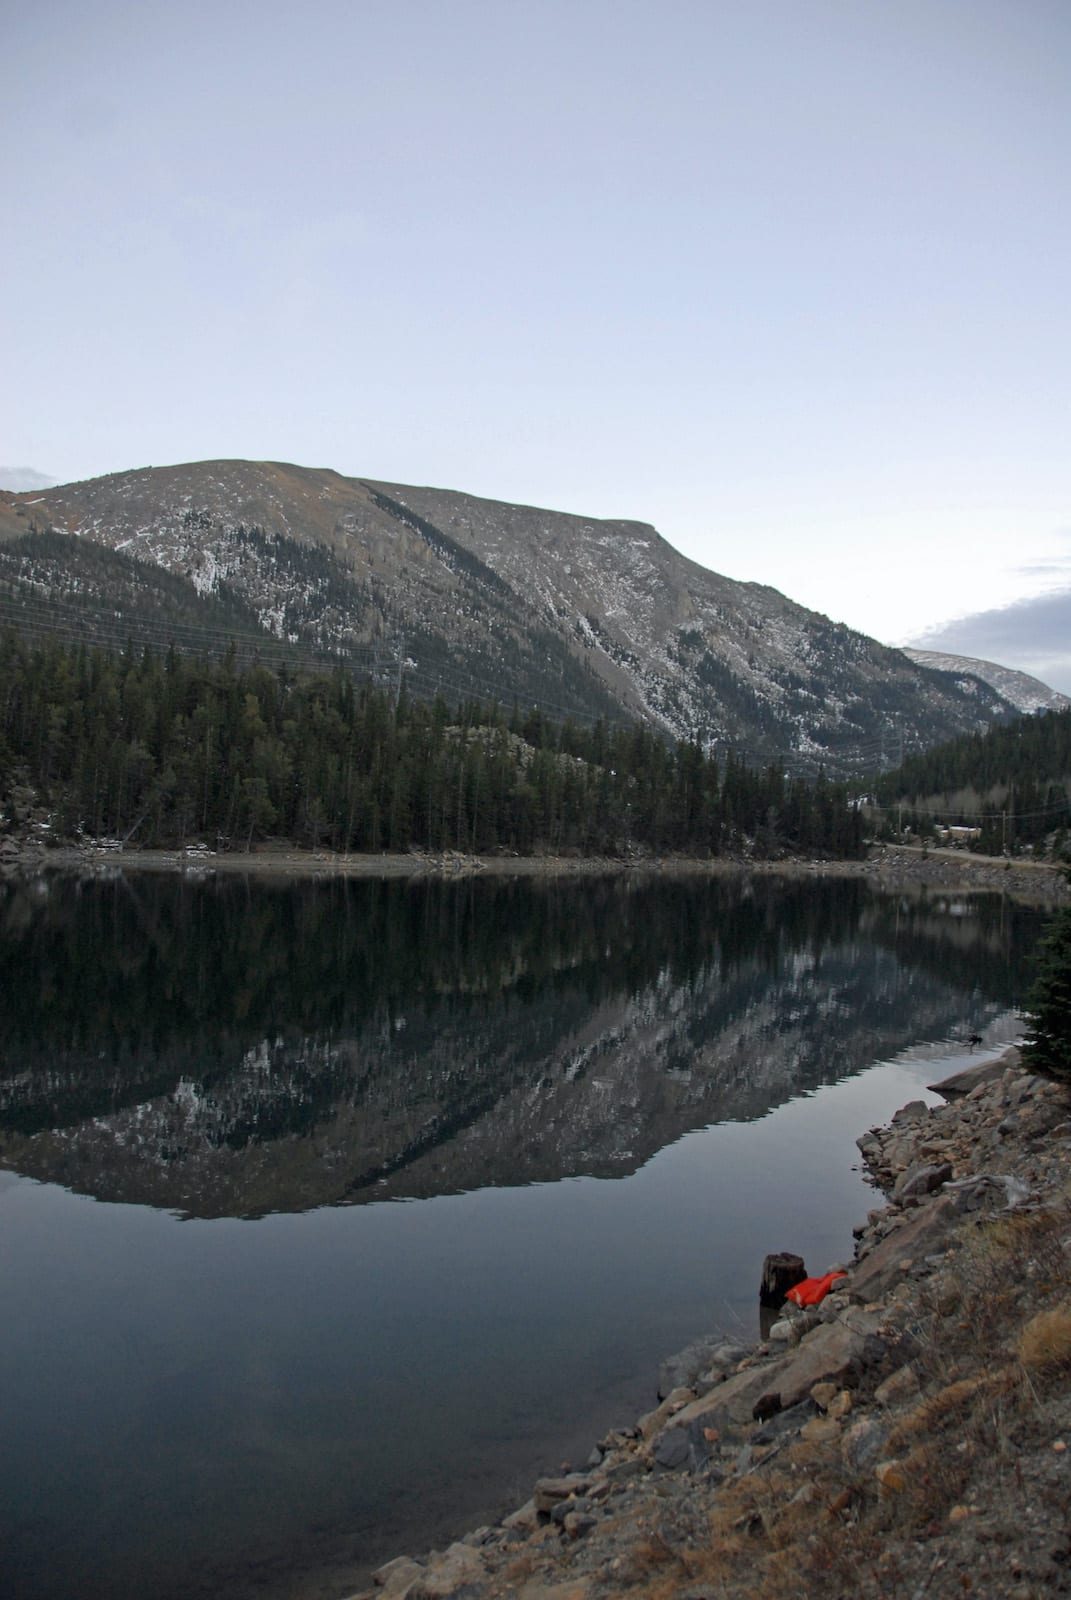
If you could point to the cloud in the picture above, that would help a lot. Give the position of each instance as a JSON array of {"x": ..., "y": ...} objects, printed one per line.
[{"x": 1032, "y": 635}]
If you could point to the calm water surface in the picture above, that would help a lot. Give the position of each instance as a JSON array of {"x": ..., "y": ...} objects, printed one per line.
[{"x": 334, "y": 1213}]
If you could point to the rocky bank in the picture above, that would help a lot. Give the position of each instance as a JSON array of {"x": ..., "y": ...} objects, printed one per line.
[{"x": 908, "y": 1437}]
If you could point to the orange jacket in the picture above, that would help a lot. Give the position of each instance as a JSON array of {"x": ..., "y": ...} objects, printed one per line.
[{"x": 812, "y": 1291}]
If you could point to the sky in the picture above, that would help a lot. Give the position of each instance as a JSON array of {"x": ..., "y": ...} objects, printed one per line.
[{"x": 786, "y": 278}]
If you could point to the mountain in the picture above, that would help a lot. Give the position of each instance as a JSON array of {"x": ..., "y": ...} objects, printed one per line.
[
  {"x": 24, "y": 480},
  {"x": 1025, "y": 693},
  {"x": 52, "y": 584},
  {"x": 472, "y": 597}
]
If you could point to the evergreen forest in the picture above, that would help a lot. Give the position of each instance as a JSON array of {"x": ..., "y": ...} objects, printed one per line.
[
  {"x": 1011, "y": 783},
  {"x": 160, "y": 750}
]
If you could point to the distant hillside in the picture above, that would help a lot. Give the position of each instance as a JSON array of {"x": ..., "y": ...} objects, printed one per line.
[
  {"x": 24, "y": 480},
  {"x": 584, "y": 618},
  {"x": 1013, "y": 783},
  {"x": 52, "y": 584},
  {"x": 1019, "y": 688}
]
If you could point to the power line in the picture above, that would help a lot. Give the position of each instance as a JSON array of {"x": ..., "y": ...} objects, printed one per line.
[{"x": 381, "y": 662}]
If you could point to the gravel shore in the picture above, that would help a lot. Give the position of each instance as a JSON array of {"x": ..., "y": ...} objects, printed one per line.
[{"x": 887, "y": 867}]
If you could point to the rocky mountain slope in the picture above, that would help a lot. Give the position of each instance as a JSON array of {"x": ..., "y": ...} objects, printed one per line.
[
  {"x": 582, "y": 617},
  {"x": 1027, "y": 694}
]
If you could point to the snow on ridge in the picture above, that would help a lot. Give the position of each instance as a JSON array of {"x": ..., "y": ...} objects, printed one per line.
[{"x": 1028, "y": 694}]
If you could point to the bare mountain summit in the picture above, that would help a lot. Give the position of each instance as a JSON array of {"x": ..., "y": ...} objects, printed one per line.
[
  {"x": 579, "y": 616},
  {"x": 1025, "y": 693}
]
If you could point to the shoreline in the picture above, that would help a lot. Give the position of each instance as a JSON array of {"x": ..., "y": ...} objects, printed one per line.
[
  {"x": 889, "y": 867},
  {"x": 849, "y": 1450}
]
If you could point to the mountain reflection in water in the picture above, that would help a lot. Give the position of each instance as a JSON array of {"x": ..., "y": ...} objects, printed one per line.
[{"x": 221, "y": 1048}]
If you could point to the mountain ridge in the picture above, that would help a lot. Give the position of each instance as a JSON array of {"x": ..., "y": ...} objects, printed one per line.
[
  {"x": 1025, "y": 692},
  {"x": 586, "y": 617}
]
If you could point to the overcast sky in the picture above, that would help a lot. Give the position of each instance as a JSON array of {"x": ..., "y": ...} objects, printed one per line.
[{"x": 788, "y": 278}]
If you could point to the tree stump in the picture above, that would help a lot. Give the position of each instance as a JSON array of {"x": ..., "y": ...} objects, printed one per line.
[{"x": 780, "y": 1273}]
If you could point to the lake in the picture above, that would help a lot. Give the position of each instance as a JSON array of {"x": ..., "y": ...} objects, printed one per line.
[{"x": 335, "y": 1212}]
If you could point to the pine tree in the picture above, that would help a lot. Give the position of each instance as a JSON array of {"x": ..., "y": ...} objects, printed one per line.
[{"x": 1047, "y": 1047}]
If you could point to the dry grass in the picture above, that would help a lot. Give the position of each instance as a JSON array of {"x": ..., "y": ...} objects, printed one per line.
[
  {"x": 955, "y": 1407},
  {"x": 1044, "y": 1345}
]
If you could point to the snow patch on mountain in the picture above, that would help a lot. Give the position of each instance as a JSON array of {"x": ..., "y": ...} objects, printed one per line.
[{"x": 1025, "y": 693}]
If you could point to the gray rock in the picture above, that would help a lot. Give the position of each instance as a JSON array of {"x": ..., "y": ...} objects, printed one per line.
[
  {"x": 548, "y": 1491},
  {"x": 836, "y": 1351},
  {"x": 915, "y": 1239},
  {"x": 784, "y": 1422},
  {"x": 729, "y": 1355},
  {"x": 394, "y": 1576},
  {"x": 565, "y": 1508},
  {"x": 962, "y": 1083},
  {"x": 453, "y": 1575},
  {"x": 862, "y": 1444},
  {"x": 921, "y": 1179},
  {"x": 656, "y": 1420},
  {"x": 524, "y": 1520},
  {"x": 578, "y": 1523},
  {"x": 480, "y": 1537},
  {"x": 673, "y": 1449},
  {"x": 914, "y": 1111},
  {"x": 682, "y": 1371}
]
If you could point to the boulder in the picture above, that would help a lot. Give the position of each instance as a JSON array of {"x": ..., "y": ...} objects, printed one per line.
[
  {"x": 820, "y": 1430},
  {"x": 451, "y": 1574},
  {"x": 781, "y": 1422},
  {"x": 732, "y": 1403},
  {"x": 577, "y": 1523},
  {"x": 524, "y": 1520},
  {"x": 920, "y": 1179},
  {"x": 835, "y": 1352},
  {"x": 962, "y": 1083},
  {"x": 883, "y": 1268},
  {"x": 395, "y": 1576},
  {"x": 549, "y": 1491},
  {"x": 655, "y": 1421},
  {"x": 914, "y": 1111},
  {"x": 684, "y": 1370},
  {"x": 673, "y": 1449}
]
